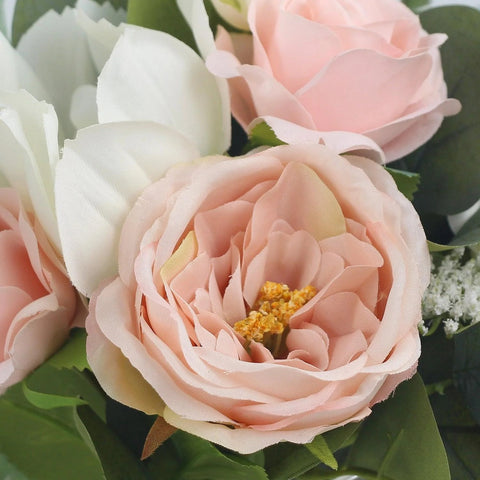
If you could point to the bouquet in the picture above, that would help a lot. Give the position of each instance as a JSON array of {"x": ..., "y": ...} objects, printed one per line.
[{"x": 239, "y": 239}]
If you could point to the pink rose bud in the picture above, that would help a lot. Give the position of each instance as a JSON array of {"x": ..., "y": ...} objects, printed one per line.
[
  {"x": 264, "y": 298},
  {"x": 37, "y": 301},
  {"x": 337, "y": 65}
]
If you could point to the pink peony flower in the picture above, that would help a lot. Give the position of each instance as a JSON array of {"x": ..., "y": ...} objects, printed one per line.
[
  {"x": 337, "y": 65},
  {"x": 261, "y": 299},
  {"x": 37, "y": 301}
]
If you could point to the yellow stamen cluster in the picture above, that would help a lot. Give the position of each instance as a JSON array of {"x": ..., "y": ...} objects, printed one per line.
[{"x": 275, "y": 304}]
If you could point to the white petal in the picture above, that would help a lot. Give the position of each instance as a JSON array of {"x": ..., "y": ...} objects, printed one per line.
[
  {"x": 29, "y": 153},
  {"x": 101, "y": 36},
  {"x": 58, "y": 52},
  {"x": 96, "y": 11},
  {"x": 83, "y": 112},
  {"x": 15, "y": 73},
  {"x": 196, "y": 16},
  {"x": 102, "y": 173},
  {"x": 457, "y": 221},
  {"x": 237, "y": 18},
  {"x": 176, "y": 89}
]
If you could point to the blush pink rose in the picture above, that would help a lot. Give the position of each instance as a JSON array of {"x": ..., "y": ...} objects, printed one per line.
[
  {"x": 37, "y": 301},
  {"x": 194, "y": 253},
  {"x": 337, "y": 65}
]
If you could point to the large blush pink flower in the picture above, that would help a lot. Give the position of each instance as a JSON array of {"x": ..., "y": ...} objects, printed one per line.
[
  {"x": 194, "y": 253},
  {"x": 37, "y": 301},
  {"x": 337, "y": 65}
]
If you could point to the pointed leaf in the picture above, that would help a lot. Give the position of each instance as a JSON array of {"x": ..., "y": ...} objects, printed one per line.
[
  {"x": 73, "y": 353},
  {"x": 321, "y": 450},
  {"x": 48, "y": 401}
]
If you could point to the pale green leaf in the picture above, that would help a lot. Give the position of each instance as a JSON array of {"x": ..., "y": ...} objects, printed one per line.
[{"x": 321, "y": 450}]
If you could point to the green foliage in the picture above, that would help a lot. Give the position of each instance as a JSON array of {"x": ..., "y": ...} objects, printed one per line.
[
  {"x": 262, "y": 135},
  {"x": 321, "y": 450},
  {"x": 407, "y": 182},
  {"x": 449, "y": 164},
  {"x": 466, "y": 368},
  {"x": 161, "y": 15},
  {"x": 118, "y": 462},
  {"x": 43, "y": 444},
  {"x": 400, "y": 439},
  {"x": 73, "y": 353}
]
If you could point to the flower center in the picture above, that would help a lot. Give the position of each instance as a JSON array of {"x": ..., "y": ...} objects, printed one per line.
[{"x": 267, "y": 322}]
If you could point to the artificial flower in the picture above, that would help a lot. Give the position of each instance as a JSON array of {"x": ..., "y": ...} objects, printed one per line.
[
  {"x": 37, "y": 301},
  {"x": 235, "y": 13},
  {"x": 54, "y": 58},
  {"x": 311, "y": 67},
  {"x": 196, "y": 252}
]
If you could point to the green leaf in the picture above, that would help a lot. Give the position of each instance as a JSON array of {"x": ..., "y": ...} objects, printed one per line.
[
  {"x": 43, "y": 444},
  {"x": 27, "y": 12},
  {"x": 65, "y": 383},
  {"x": 400, "y": 439},
  {"x": 161, "y": 15},
  {"x": 466, "y": 368},
  {"x": 342, "y": 436},
  {"x": 262, "y": 135},
  {"x": 48, "y": 401},
  {"x": 73, "y": 353},
  {"x": 407, "y": 182},
  {"x": 321, "y": 450},
  {"x": 463, "y": 449},
  {"x": 449, "y": 163},
  {"x": 285, "y": 461},
  {"x": 200, "y": 460},
  {"x": 118, "y": 462}
]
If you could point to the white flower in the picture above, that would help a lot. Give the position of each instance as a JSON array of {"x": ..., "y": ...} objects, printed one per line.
[
  {"x": 158, "y": 105},
  {"x": 54, "y": 58}
]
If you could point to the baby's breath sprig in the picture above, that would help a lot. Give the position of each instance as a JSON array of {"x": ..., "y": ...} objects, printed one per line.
[{"x": 453, "y": 297}]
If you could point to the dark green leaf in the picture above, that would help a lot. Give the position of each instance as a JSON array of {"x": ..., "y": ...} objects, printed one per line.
[
  {"x": 400, "y": 439},
  {"x": 463, "y": 449},
  {"x": 407, "y": 182},
  {"x": 342, "y": 436},
  {"x": 118, "y": 462},
  {"x": 161, "y": 15},
  {"x": 285, "y": 461},
  {"x": 27, "y": 12},
  {"x": 43, "y": 444},
  {"x": 130, "y": 425},
  {"x": 200, "y": 460},
  {"x": 262, "y": 135},
  {"x": 450, "y": 163},
  {"x": 466, "y": 368}
]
